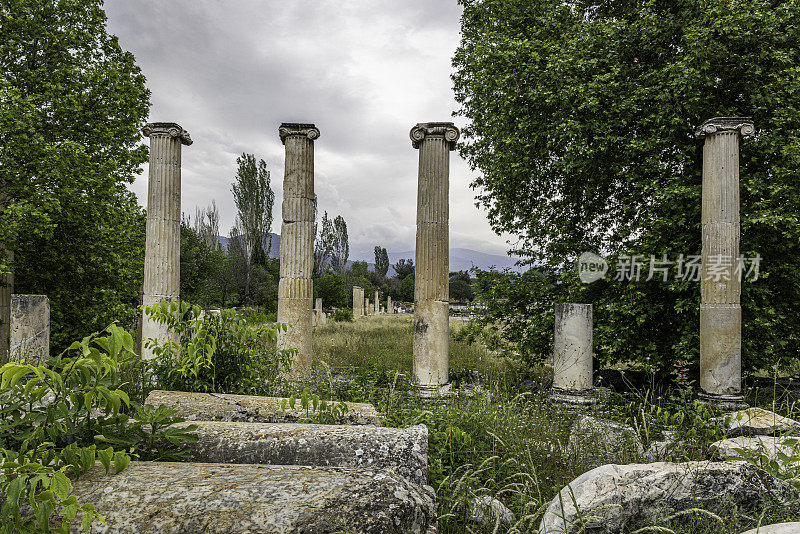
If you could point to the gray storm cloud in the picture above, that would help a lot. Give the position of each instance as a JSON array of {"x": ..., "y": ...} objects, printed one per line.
[{"x": 364, "y": 72}]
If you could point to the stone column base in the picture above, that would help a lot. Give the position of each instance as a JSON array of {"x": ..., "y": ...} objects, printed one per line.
[
  {"x": 586, "y": 397},
  {"x": 725, "y": 403},
  {"x": 435, "y": 391}
]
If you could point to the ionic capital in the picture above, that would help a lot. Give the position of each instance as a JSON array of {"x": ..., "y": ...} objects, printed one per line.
[
  {"x": 447, "y": 130},
  {"x": 742, "y": 125},
  {"x": 167, "y": 129},
  {"x": 294, "y": 128}
]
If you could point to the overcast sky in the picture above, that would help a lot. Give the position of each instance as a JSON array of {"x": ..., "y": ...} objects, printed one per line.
[{"x": 363, "y": 71}]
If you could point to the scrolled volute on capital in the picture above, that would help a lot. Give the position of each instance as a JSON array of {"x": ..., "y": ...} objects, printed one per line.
[
  {"x": 743, "y": 125},
  {"x": 422, "y": 130},
  {"x": 170, "y": 129},
  {"x": 295, "y": 128}
]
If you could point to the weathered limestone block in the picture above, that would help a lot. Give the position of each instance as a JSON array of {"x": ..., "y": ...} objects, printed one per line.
[
  {"x": 757, "y": 422},
  {"x": 431, "y": 346},
  {"x": 162, "y": 262},
  {"x": 768, "y": 446},
  {"x": 597, "y": 442},
  {"x": 778, "y": 528},
  {"x": 226, "y": 407},
  {"x": 616, "y": 497},
  {"x": 573, "y": 351},
  {"x": 30, "y": 328},
  {"x": 403, "y": 450},
  {"x": 188, "y": 498},
  {"x": 660, "y": 450},
  {"x": 487, "y": 511},
  {"x": 720, "y": 286}
]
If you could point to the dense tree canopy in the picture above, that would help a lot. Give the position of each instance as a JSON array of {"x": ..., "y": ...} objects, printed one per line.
[
  {"x": 71, "y": 105},
  {"x": 580, "y": 121}
]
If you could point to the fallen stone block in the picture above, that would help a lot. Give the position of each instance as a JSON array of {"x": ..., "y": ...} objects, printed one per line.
[
  {"x": 404, "y": 450},
  {"x": 660, "y": 450},
  {"x": 226, "y": 407},
  {"x": 598, "y": 442},
  {"x": 187, "y": 498},
  {"x": 613, "y": 498},
  {"x": 778, "y": 528},
  {"x": 757, "y": 422},
  {"x": 487, "y": 511},
  {"x": 768, "y": 446}
]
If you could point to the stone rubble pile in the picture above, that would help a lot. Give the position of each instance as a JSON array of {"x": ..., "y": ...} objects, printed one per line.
[
  {"x": 251, "y": 471},
  {"x": 621, "y": 496}
]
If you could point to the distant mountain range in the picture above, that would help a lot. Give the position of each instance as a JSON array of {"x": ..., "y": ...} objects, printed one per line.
[{"x": 461, "y": 259}]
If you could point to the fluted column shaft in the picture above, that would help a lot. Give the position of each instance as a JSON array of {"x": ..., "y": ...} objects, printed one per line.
[
  {"x": 720, "y": 286},
  {"x": 389, "y": 308},
  {"x": 377, "y": 302},
  {"x": 431, "y": 280},
  {"x": 162, "y": 257},
  {"x": 295, "y": 289}
]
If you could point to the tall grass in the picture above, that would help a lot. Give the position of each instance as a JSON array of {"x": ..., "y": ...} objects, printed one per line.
[{"x": 496, "y": 440}]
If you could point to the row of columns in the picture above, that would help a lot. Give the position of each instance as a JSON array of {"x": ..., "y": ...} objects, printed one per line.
[{"x": 720, "y": 310}]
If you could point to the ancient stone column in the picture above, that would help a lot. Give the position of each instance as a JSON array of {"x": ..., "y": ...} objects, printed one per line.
[
  {"x": 6, "y": 289},
  {"x": 434, "y": 140},
  {"x": 389, "y": 308},
  {"x": 572, "y": 351},
  {"x": 30, "y": 329},
  {"x": 162, "y": 256},
  {"x": 318, "y": 312},
  {"x": 356, "y": 300},
  {"x": 377, "y": 302},
  {"x": 295, "y": 289},
  {"x": 720, "y": 285}
]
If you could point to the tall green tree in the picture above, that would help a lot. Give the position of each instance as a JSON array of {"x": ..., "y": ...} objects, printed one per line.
[
  {"x": 254, "y": 199},
  {"x": 71, "y": 105},
  {"x": 341, "y": 246},
  {"x": 206, "y": 225},
  {"x": 580, "y": 119},
  {"x": 323, "y": 246},
  {"x": 403, "y": 268},
  {"x": 381, "y": 262},
  {"x": 332, "y": 289}
]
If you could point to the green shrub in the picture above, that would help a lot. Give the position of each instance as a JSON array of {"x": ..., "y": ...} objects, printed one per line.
[
  {"x": 52, "y": 420},
  {"x": 343, "y": 315},
  {"x": 216, "y": 353},
  {"x": 257, "y": 315}
]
